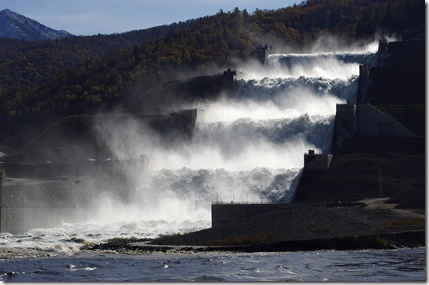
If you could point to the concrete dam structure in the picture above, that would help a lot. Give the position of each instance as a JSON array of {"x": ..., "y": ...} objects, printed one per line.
[
  {"x": 398, "y": 77},
  {"x": 365, "y": 122},
  {"x": 189, "y": 90},
  {"x": 208, "y": 87},
  {"x": 252, "y": 147},
  {"x": 360, "y": 126},
  {"x": 261, "y": 53},
  {"x": 379, "y": 134}
]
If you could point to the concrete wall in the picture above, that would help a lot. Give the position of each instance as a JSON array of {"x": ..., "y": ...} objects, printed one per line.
[
  {"x": 345, "y": 125},
  {"x": 372, "y": 123},
  {"x": 381, "y": 59},
  {"x": 209, "y": 87},
  {"x": 20, "y": 220},
  {"x": 364, "y": 82},
  {"x": 364, "y": 121},
  {"x": 397, "y": 83},
  {"x": 226, "y": 213},
  {"x": 346, "y": 119},
  {"x": 406, "y": 47},
  {"x": 382, "y": 52}
]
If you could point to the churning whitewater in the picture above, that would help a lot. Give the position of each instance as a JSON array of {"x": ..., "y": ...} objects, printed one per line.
[{"x": 248, "y": 149}]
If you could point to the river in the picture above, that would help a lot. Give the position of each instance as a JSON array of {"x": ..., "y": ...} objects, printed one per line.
[{"x": 372, "y": 265}]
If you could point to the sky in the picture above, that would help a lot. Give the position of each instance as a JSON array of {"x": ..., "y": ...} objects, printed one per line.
[{"x": 90, "y": 17}]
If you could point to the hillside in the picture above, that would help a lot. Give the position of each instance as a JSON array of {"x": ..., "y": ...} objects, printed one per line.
[
  {"x": 25, "y": 63},
  {"x": 189, "y": 48}
]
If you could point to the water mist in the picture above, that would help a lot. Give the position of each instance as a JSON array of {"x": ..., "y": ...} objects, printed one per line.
[{"x": 246, "y": 149}]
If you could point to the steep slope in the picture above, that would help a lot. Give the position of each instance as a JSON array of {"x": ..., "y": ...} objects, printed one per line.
[{"x": 14, "y": 25}]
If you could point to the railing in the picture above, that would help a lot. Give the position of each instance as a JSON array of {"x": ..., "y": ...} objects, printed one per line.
[
  {"x": 323, "y": 204},
  {"x": 243, "y": 203}
]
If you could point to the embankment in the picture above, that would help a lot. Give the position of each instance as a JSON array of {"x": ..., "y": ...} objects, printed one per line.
[
  {"x": 296, "y": 229},
  {"x": 380, "y": 241}
]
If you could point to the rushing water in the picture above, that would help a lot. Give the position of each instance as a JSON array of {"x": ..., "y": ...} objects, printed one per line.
[
  {"x": 376, "y": 265},
  {"x": 246, "y": 149}
]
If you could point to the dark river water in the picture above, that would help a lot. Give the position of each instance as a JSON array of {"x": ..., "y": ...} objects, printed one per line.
[{"x": 371, "y": 265}]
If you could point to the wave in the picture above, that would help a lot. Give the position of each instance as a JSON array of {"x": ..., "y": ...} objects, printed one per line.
[
  {"x": 276, "y": 98},
  {"x": 238, "y": 145},
  {"x": 293, "y": 59},
  {"x": 205, "y": 186}
]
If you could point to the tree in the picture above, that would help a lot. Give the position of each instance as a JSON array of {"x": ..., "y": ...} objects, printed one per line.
[{"x": 136, "y": 54}]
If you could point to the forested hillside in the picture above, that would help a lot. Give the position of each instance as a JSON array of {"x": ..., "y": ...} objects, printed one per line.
[
  {"x": 25, "y": 63},
  {"x": 57, "y": 78}
]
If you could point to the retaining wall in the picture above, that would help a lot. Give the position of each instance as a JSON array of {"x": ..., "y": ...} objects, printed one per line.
[
  {"x": 226, "y": 213},
  {"x": 372, "y": 123}
]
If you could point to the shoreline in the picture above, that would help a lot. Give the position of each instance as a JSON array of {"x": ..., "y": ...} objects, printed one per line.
[
  {"x": 399, "y": 240},
  {"x": 371, "y": 225},
  {"x": 392, "y": 241}
]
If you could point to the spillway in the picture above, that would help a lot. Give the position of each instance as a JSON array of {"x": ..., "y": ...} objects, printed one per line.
[
  {"x": 246, "y": 149},
  {"x": 249, "y": 149}
]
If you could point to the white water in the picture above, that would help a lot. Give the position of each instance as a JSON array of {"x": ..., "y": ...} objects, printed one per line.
[
  {"x": 247, "y": 149},
  {"x": 330, "y": 65}
]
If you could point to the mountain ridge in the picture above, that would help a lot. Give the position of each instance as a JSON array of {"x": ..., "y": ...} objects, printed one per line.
[{"x": 16, "y": 26}]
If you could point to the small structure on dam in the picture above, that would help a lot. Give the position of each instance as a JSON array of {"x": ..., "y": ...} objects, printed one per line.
[
  {"x": 229, "y": 80},
  {"x": 194, "y": 89},
  {"x": 261, "y": 53},
  {"x": 314, "y": 161}
]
